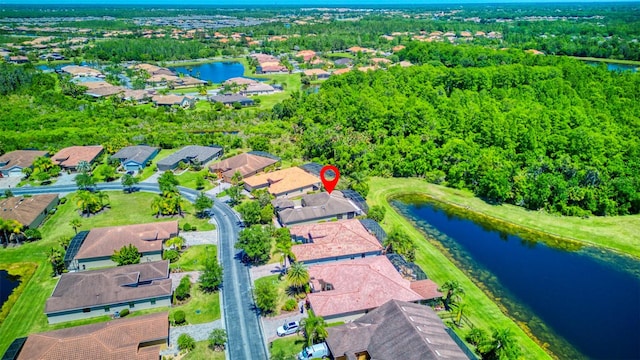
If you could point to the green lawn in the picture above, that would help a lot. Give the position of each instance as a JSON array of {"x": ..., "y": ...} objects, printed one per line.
[
  {"x": 483, "y": 311},
  {"x": 288, "y": 345},
  {"x": 201, "y": 307},
  {"x": 27, "y": 314},
  {"x": 149, "y": 170},
  {"x": 339, "y": 55},
  {"x": 282, "y": 290},
  {"x": 605, "y": 60},
  {"x": 203, "y": 351},
  {"x": 188, "y": 179},
  {"x": 193, "y": 259}
]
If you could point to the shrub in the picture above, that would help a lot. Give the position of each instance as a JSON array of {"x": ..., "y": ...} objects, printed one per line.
[
  {"x": 182, "y": 291},
  {"x": 377, "y": 213},
  {"x": 179, "y": 317},
  {"x": 289, "y": 305},
  {"x": 63, "y": 200},
  {"x": 193, "y": 228},
  {"x": 171, "y": 255},
  {"x": 32, "y": 234},
  {"x": 186, "y": 342},
  {"x": 218, "y": 339},
  {"x": 186, "y": 227},
  {"x": 124, "y": 312}
]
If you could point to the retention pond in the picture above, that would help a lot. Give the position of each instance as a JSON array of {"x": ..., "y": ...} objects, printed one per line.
[
  {"x": 7, "y": 284},
  {"x": 584, "y": 302}
]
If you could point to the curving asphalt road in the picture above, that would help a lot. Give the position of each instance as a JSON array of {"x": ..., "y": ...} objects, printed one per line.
[{"x": 245, "y": 339}]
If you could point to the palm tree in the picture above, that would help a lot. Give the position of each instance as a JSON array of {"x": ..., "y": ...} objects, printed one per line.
[
  {"x": 284, "y": 249},
  {"x": 75, "y": 224},
  {"x": 156, "y": 206},
  {"x": 177, "y": 241},
  {"x": 502, "y": 345},
  {"x": 298, "y": 275},
  {"x": 103, "y": 199},
  {"x": 84, "y": 201},
  {"x": 84, "y": 167},
  {"x": 454, "y": 292},
  {"x": 315, "y": 329},
  {"x": 8, "y": 229},
  {"x": 56, "y": 258}
]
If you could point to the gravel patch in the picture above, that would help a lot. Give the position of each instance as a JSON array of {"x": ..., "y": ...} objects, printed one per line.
[{"x": 200, "y": 237}]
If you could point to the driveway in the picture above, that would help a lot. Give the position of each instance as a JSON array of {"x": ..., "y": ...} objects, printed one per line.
[
  {"x": 66, "y": 179},
  {"x": 200, "y": 237},
  {"x": 9, "y": 182},
  {"x": 258, "y": 272},
  {"x": 271, "y": 324}
]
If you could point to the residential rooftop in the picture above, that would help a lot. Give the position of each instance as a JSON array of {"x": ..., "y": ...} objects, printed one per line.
[
  {"x": 70, "y": 157},
  {"x": 135, "y": 338},
  {"x": 358, "y": 285},
  {"x": 395, "y": 330},
  {"x": 102, "y": 242},
  {"x": 86, "y": 289},
  {"x": 283, "y": 181},
  {"x": 19, "y": 158},
  {"x": 138, "y": 153},
  {"x": 246, "y": 163},
  {"x": 25, "y": 210},
  {"x": 332, "y": 239}
]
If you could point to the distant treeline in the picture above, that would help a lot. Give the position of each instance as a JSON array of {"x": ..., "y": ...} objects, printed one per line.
[{"x": 539, "y": 132}]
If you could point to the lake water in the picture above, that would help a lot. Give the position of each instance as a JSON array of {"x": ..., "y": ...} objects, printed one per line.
[
  {"x": 616, "y": 67},
  {"x": 216, "y": 72},
  {"x": 584, "y": 303},
  {"x": 7, "y": 284}
]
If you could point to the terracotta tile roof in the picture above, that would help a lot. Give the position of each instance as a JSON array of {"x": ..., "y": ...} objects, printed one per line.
[
  {"x": 25, "y": 210},
  {"x": 326, "y": 240},
  {"x": 427, "y": 288},
  {"x": 283, "y": 181},
  {"x": 244, "y": 163},
  {"x": 71, "y": 156},
  {"x": 84, "y": 289},
  {"x": 146, "y": 237},
  {"x": 240, "y": 81},
  {"x": 358, "y": 285},
  {"x": 395, "y": 330},
  {"x": 316, "y": 72},
  {"x": 111, "y": 340},
  {"x": 341, "y": 71},
  {"x": 19, "y": 158}
]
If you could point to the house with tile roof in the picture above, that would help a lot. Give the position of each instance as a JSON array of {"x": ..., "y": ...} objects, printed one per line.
[
  {"x": 96, "y": 249},
  {"x": 284, "y": 183},
  {"x": 135, "y": 338},
  {"x": 313, "y": 208},
  {"x": 88, "y": 294},
  {"x": 346, "y": 290},
  {"x": 12, "y": 163},
  {"x": 190, "y": 155},
  {"x": 69, "y": 158},
  {"x": 247, "y": 164},
  {"x": 395, "y": 330},
  {"x": 333, "y": 241},
  {"x": 28, "y": 211},
  {"x": 318, "y": 73},
  {"x": 135, "y": 158}
]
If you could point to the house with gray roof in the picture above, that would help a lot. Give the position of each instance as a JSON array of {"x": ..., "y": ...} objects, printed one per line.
[
  {"x": 87, "y": 294},
  {"x": 229, "y": 100},
  {"x": 395, "y": 330},
  {"x": 190, "y": 154},
  {"x": 135, "y": 158},
  {"x": 314, "y": 208}
]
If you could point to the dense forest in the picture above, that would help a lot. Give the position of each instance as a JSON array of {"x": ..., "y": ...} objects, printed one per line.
[{"x": 539, "y": 132}]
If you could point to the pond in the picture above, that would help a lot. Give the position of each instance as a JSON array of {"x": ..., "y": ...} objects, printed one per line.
[
  {"x": 616, "y": 67},
  {"x": 216, "y": 72},
  {"x": 7, "y": 284},
  {"x": 584, "y": 302}
]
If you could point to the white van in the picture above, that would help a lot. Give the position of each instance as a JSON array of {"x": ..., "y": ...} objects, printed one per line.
[{"x": 317, "y": 351}]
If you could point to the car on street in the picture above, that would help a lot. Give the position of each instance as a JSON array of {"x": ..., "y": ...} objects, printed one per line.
[{"x": 288, "y": 328}]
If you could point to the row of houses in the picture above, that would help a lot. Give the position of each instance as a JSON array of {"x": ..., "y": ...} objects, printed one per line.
[{"x": 13, "y": 163}]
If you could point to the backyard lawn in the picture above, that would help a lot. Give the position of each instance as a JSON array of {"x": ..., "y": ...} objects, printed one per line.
[{"x": 27, "y": 314}]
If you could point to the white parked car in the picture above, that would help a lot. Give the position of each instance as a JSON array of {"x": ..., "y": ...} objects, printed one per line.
[
  {"x": 288, "y": 328},
  {"x": 317, "y": 351}
]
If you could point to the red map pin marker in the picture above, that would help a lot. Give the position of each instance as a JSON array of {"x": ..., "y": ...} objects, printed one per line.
[{"x": 329, "y": 185}]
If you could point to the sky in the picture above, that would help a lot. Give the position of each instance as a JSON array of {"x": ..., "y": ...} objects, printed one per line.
[{"x": 296, "y": 3}]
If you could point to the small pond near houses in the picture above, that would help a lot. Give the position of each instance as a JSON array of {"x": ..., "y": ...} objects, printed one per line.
[{"x": 7, "y": 284}]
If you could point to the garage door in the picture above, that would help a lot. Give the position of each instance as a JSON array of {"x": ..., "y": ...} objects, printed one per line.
[{"x": 15, "y": 173}]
